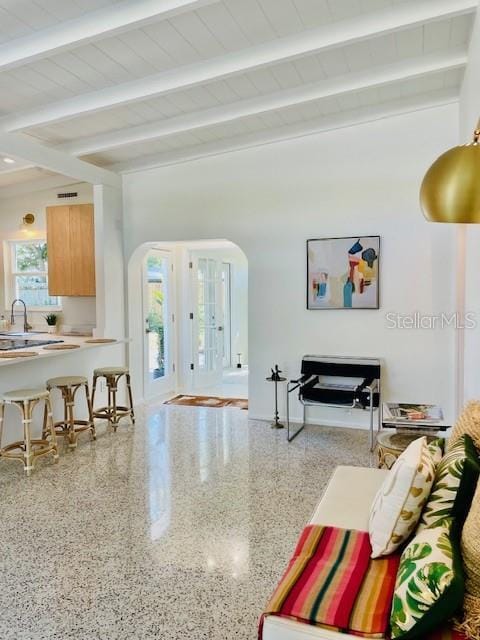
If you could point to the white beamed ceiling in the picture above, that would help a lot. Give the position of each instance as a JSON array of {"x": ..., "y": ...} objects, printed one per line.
[
  {"x": 215, "y": 29},
  {"x": 24, "y": 175}
]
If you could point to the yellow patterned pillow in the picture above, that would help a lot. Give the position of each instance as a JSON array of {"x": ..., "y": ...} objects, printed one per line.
[{"x": 398, "y": 504}]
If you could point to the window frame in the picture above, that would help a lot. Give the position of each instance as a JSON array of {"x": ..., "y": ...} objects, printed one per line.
[{"x": 11, "y": 274}]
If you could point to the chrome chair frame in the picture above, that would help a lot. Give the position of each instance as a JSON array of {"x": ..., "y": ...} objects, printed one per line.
[{"x": 373, "y": 386}]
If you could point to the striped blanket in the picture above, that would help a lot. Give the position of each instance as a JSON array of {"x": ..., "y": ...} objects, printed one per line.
[{"x": 332, "y": 582}]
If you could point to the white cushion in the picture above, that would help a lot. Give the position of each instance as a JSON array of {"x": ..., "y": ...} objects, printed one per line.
[
  {"x": 276, "y": 628},
  {"x": 398, "y": 505},
  {"x": 348, "y": 498}
]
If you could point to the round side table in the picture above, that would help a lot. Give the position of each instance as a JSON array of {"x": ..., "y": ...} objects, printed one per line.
[{"x": 390, "y": 444}]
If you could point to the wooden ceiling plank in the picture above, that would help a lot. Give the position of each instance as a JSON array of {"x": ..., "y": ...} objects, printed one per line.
[
  {"x": 329, "y": 123},
  {"x": 363, "y": 27},
  {"x": 347, "y": 83},
  {"x": 90, "y": 26}
]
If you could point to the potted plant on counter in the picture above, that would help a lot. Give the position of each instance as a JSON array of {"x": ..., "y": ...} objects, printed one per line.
[{"x": 51, "y": 319}]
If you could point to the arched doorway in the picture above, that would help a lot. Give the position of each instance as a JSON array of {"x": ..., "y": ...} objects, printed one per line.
[{"x": 188, "y": 319}]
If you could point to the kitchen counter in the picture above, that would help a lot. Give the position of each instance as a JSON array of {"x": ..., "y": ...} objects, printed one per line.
[
  {"x": 82, "y": 343},
  {"x": 51, "y": 364}
]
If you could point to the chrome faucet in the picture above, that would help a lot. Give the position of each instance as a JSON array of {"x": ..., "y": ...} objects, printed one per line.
[{"x": 26, "y": 326}]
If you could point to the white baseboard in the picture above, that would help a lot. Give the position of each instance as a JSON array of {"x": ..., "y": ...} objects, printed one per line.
[{"x": 295, "y": 420}]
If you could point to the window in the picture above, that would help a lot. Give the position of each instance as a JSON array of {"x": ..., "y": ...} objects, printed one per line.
[{"x": 29, "y": 277}]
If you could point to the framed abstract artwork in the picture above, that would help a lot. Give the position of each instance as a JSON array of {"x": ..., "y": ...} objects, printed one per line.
[{"x": 343, "y": 273}]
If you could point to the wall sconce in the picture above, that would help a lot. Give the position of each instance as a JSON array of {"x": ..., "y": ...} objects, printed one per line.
[
  {"x": 27, "y": 222},
  {"x": 450, "y": 191}
]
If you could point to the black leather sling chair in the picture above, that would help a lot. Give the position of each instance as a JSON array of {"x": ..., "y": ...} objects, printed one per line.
[{"x": 337, "y": 382}]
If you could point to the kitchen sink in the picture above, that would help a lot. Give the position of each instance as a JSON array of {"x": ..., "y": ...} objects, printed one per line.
[{"x": 9, "y": 344}]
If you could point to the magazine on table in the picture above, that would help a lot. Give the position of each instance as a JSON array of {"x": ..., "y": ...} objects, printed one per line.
[{"x": 410, "y": 413}]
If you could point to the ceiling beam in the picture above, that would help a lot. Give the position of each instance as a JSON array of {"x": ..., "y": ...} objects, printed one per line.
[
  {"x": 39, "y": 155},
  {"x": 331, "y": 87},
  {"x": 102, "y": 23},
  {"x": 289, "y": 132},
  {"x": 369, "y": 25}
]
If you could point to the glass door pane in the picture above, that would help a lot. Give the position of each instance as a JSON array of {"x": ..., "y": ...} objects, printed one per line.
[
  {"x": 207, "y": 327},
  {"x": 157, "y": 315}
]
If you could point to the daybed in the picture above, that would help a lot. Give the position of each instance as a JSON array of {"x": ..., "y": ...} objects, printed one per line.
[{"x": 345, "y": 505}]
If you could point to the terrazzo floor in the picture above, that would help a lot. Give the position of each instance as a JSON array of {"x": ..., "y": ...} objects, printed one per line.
[{"x": 175, "y": 529}]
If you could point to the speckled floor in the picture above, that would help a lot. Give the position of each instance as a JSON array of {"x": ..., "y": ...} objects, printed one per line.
[{"x": 176, "y": 529}]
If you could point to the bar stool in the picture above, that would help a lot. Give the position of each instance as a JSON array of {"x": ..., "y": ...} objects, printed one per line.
[
  {"x": 70, "y": 426},
  {"x": 29, "y": 448},
  {"x": 113, "y": 412}
]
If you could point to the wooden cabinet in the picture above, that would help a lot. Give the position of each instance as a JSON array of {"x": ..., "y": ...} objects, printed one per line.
[{"x": 71, "y": 250}]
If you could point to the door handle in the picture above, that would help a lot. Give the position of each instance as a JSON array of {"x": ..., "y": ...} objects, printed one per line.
[
  {"x": 148, "y": 331},
  {"x": 220, "y": 328}
]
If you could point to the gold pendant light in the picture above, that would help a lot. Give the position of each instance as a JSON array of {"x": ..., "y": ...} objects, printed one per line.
[{"x": 450, "y": 191}]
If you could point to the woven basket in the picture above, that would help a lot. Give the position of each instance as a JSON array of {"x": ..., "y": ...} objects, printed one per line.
[
  {"x": 471, "y": 561},
  {"x": 471, "y": 546},
  {"x": 470, "y": 626},
  {"x": 468, "y": 422}
]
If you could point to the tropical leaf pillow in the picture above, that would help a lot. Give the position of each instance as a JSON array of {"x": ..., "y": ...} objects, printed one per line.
[
  {"x": 436, "y": 448},
  {"x": 398, "y": 505},
  {"x": 455, "y": 483},
  {"x": 430, "y": 583}
]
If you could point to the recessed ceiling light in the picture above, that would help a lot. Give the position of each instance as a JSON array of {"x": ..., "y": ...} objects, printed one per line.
[{"x": 9, "y": 160}]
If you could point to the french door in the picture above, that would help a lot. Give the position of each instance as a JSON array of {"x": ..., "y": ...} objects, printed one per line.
[
  {"x": 211, "y": 334},
  {"x": 158, "y": 305}
]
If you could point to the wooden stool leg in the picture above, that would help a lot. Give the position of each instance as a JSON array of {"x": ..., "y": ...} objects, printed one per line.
[
  {"x": 93, "y": 433},
  {"x": 94, "y": 389},
  {"x": 109, "y": 403},
  {"x": 114, "y": 402},
  {"x": 65, "y": 411},
  {"x": 45, "y": 427},
  {"x": 51, "y": 428},
  {"x": 26, "y": 409},
  {"x": 69, "y": 404},
  {"x": 130, "y": 398}
]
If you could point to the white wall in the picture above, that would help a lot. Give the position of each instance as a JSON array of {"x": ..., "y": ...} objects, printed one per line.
[
  {"x": 468, "y": 284},
  {"x": 78, "y": 312},
  {"x": 110, "y": 271},
  {"x": 269, "y": 200}
]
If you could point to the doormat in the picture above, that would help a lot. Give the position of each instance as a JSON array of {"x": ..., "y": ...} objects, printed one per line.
[{"x": 209, "y": 401}]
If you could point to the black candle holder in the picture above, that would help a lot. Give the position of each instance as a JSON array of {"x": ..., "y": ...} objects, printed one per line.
[{"x": 276, "y": 378}]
